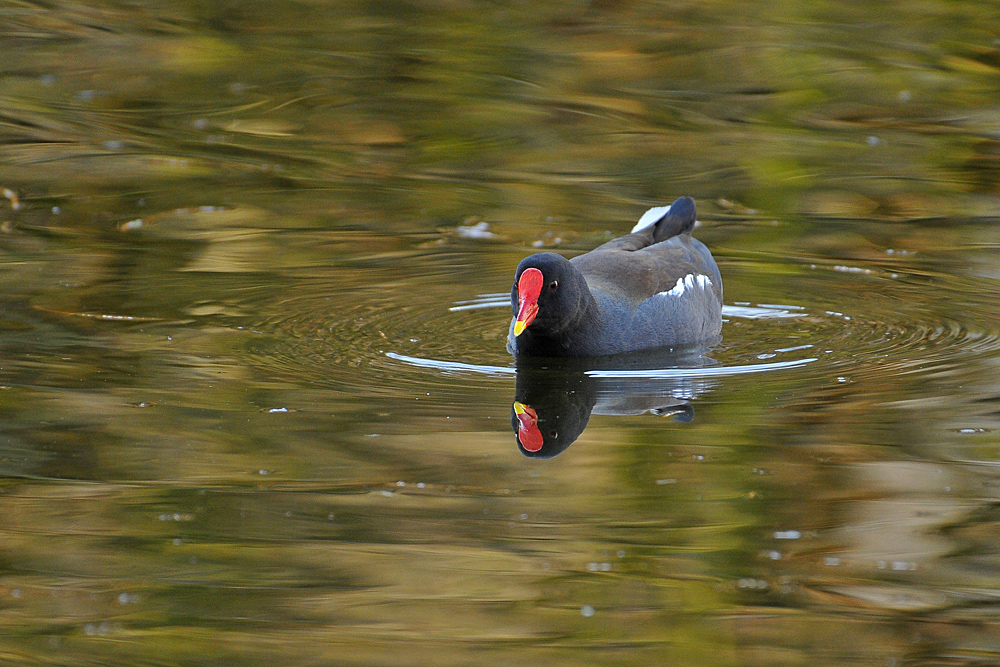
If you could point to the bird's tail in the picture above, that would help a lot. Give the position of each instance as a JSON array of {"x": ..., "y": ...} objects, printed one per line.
[{"x": 679, "y": 219}]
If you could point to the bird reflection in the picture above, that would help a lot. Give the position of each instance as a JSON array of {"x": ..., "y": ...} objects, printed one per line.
[{"x": 554, "y": 398}]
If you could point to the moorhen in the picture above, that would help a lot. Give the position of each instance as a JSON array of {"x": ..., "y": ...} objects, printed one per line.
[{"x": 654, "y": 287}]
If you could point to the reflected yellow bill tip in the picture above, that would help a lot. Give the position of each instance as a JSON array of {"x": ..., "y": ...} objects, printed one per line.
[{"x": 518, "y": 408}]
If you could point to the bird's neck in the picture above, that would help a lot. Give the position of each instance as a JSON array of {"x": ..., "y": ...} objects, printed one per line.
[{"x": 571, "y": 335}]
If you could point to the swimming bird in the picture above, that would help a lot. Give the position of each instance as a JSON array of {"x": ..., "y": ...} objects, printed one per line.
[{"x": 654, "y": 287}]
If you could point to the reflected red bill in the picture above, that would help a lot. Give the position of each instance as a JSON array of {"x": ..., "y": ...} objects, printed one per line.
[{"x": 527, "y": 429}]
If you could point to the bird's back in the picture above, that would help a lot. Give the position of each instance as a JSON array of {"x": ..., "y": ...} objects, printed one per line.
[{"x": 651, "y": 259}]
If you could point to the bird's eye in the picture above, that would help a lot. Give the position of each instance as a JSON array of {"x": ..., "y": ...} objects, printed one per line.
[
  {"x": 553, "y": 434},
  {"x": 554, "y": 285}
]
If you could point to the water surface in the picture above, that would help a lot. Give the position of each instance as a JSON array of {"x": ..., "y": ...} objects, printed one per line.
[{"x": 256, "y": 402}]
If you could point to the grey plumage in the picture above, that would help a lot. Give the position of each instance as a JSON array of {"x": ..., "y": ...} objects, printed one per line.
[{"x": 654, "y": 287}]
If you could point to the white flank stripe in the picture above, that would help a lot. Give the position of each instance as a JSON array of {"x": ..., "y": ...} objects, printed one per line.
[
  {"x": 676, "y": 290},
  {"x": 686, "y": 283}
]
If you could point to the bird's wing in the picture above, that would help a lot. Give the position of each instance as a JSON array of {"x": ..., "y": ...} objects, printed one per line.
[
  {"x": 652, "y": 258},
  {"x": 636, "y": 275}
]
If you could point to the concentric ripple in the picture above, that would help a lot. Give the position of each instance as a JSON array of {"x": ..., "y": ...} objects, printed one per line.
[
  {"x": 660, "y": 373},
  {"x": 431, "y": 333}
]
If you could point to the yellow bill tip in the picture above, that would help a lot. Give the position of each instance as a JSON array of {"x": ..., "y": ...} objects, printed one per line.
[
  {"x": 519, "y": 327},
  {"x": 518, "y": 408}
]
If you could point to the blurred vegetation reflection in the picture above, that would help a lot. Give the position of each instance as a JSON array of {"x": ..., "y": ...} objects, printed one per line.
[{"x": 225, "y": 226}]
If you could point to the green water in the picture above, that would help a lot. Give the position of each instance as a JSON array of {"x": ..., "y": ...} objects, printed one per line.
[{"x": 255, "y": 406}]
